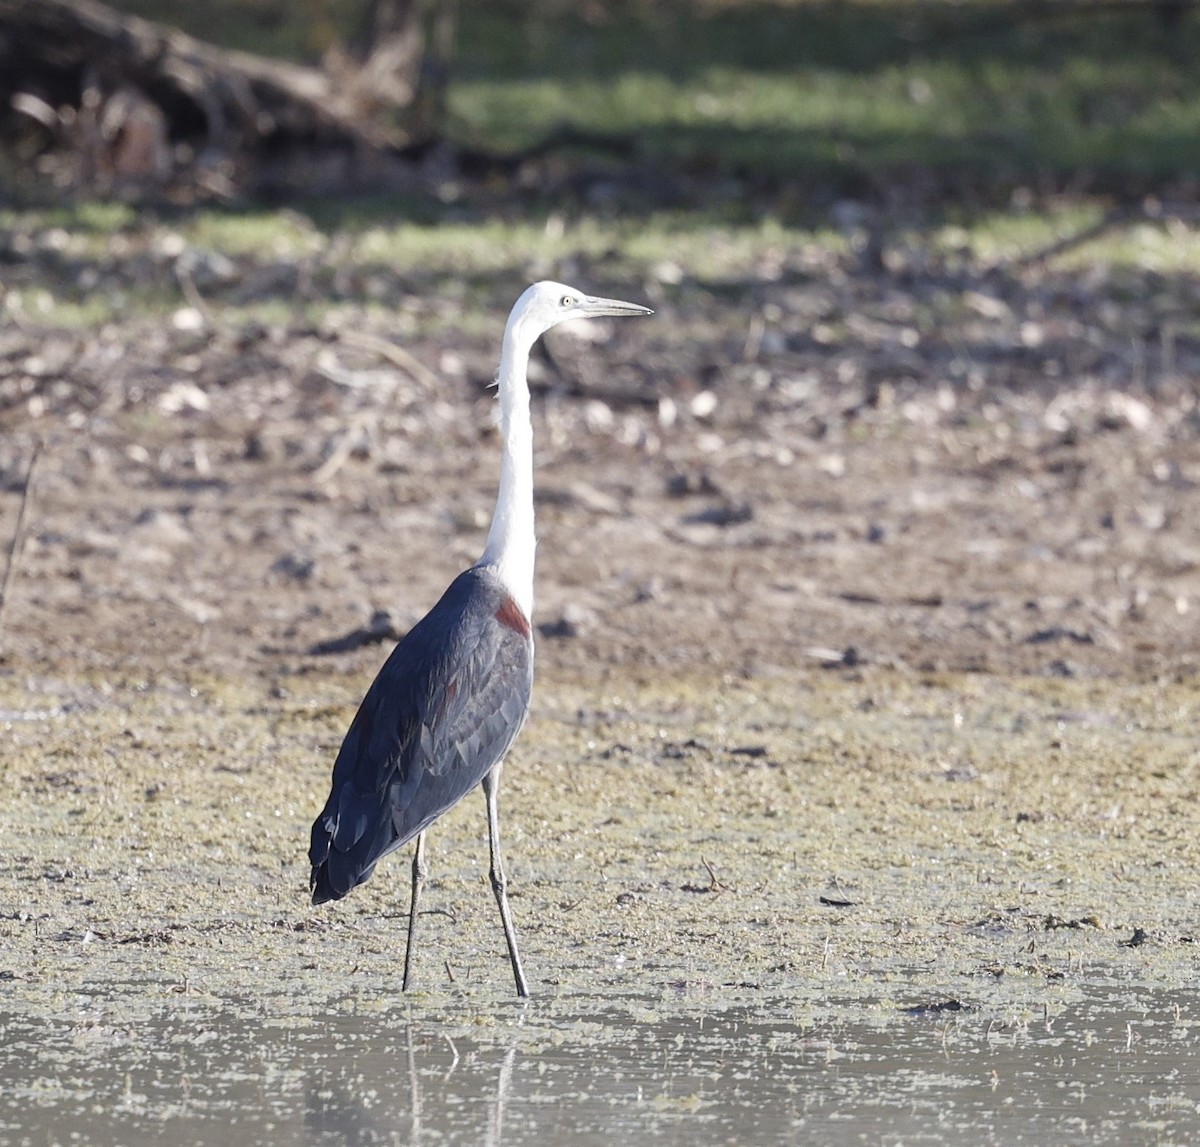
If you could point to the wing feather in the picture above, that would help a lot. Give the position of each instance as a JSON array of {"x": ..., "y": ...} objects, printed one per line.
[{"x": 444, "y": 709}]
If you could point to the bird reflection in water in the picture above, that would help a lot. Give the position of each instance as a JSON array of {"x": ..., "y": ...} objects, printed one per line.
[{"x": 333, "y": 1110}]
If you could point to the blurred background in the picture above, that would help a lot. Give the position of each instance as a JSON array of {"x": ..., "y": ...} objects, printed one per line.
[
  {"x": 740, "y": 108},
  {"x": 920, "y": 389}
]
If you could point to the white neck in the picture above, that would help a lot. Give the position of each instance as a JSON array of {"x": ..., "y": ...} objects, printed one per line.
[{"x": 511, "y": 542}]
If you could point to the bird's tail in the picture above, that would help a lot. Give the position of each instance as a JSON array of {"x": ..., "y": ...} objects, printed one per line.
[
  {"x": 319, "y": 882},
  {"x": 334, "y": 871},
  {"x": 321, "y": 888}
]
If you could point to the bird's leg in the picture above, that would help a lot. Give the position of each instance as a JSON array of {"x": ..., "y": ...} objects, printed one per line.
[
  {"x": 420, "y": 870},
  {"x": 491, "y": 790}
]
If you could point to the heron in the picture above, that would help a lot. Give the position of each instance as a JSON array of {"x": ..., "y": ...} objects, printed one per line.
[{"x": 448, "y": 703}]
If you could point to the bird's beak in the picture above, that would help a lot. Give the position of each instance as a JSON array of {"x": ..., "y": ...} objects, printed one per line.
[{"x": 593, "y": 306}]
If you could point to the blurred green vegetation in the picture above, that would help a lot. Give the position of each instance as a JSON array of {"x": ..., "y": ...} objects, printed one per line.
[
  {"x": 984, "y": 129},
  {"x": 849, "y": 96}
]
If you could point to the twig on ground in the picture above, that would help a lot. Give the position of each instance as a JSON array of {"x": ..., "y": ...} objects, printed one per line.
[
  {"x": 1110, "y": 221},
  {"x": 183, "y": 274},
  {"x": 715, "y": 883},
  {"x": 1149, "y": 211},
  {"x": 18, "y": 534},
  {"x": 396, "y": 355}
]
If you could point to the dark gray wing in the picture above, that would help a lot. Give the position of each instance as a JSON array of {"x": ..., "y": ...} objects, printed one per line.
[{"x": 444, "y": 709}]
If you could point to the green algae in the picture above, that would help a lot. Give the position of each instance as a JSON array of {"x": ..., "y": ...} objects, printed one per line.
[{"x": 889, "y": 834}]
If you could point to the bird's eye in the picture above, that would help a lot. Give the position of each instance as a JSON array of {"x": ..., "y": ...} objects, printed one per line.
[{"x": 566, "y": 301}]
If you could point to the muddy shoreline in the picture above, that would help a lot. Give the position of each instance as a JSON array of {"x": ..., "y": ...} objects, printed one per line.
[{"x": 928, "y": 837}]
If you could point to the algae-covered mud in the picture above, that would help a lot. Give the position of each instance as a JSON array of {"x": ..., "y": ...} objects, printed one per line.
[{"x": 862, "y": 907}]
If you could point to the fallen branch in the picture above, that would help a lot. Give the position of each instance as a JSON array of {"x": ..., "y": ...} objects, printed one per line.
[{"x": 143, "y": 100}]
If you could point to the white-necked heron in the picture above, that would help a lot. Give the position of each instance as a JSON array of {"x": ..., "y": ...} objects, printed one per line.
[{"x": 452, "y": 697}]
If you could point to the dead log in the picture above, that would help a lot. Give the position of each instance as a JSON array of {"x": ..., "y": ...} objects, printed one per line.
[{"x": 139, "y": 101}]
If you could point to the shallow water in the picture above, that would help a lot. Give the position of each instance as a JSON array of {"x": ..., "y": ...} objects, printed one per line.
[{"x": 1113, "y": 1065}]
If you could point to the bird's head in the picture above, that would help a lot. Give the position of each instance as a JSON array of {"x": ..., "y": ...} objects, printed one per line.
[{"x": 546, "y": 304}]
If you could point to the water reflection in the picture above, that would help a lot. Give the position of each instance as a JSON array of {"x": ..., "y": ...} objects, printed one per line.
[
  {"x": 335, "y": 1112},
  {"x": 1107, "y": 1067}
]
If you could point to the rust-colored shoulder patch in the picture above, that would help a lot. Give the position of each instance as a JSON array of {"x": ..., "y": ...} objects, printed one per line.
[{"x": 509, "y": 614}]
